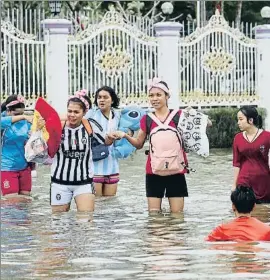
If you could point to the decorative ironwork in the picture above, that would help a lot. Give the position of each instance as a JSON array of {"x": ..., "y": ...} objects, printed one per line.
[
  {"x": 8, "y": 28},
  {"x": 113, "y": 61},
  {"x": 199, "y": 98},
  {"x": 217, "y": 23},
  {"x": 218, "y": 62},
  {"x": 3, "y": 61},
  {"x": 114, "y": 20}
]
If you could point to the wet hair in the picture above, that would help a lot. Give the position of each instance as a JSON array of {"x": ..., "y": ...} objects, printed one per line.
[
  {"x": 243, "y": 198},
  {"x": 82, "y": 105},
  {"x": 11, "y": 98},
  {"x": 251, "y": 113},
  {"x": 111, "y": 91}
]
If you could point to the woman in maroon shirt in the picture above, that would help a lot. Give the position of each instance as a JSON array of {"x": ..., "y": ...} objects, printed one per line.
[{"x": 251, "y": 154}]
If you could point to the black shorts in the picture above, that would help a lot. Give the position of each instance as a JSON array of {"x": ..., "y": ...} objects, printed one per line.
[{"x": 174, "y": 185}]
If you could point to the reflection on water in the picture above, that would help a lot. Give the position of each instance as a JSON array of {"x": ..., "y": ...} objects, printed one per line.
[{"x": 122, "y": 241}]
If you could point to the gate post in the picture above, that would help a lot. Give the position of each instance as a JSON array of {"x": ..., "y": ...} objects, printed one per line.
[
  {"x": 56, "y": 33},
  {"x": 262, "y": 35},
  {"x": 168, "y": 34}
]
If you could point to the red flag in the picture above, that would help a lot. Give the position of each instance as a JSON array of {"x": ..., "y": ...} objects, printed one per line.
[{"x": 53, "y": 129}]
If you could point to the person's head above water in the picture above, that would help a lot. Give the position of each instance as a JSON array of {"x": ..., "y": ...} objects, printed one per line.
[
  {"x": 77, "y": 106},
  {"x": 106, "y": 98},
  {"x": 14, "y": 105},
  {"x": 247, "y": 117},
  {"x": 158, "y": 93},
  {"x": 243, "y": 199}
]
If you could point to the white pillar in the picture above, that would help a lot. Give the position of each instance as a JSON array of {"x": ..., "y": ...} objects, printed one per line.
[
  {"x": 262, "y": 33},
  {"x": 168, "y": 34},
  {"x": 56, "y": 33}
]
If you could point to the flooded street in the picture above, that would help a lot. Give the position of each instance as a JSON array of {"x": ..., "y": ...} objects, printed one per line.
[{"x": 122, "y": 241}]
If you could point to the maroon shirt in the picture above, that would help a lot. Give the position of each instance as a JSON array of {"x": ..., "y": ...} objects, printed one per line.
[{"x": 253, "y": 161}]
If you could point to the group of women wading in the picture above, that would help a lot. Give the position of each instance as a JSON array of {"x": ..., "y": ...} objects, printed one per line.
[{"x": 74, "y": 174}]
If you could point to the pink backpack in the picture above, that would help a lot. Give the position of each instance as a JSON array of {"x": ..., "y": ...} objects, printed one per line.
[{"x": 166, "y": 151}]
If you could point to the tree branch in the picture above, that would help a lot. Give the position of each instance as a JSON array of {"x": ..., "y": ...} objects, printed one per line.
[
  {"x": 121, "y": 9},
  {"x": 152, "y": 10}
]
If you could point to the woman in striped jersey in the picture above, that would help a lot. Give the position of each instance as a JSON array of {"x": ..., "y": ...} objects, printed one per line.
[
  {"x": 72, "y": 167},
  {"x": 105, "y": 120}
]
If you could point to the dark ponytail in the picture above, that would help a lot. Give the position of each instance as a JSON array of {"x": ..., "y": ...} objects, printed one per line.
[
  {"x": 251, "y": 113},
  {"x": 259, "y": 121}
]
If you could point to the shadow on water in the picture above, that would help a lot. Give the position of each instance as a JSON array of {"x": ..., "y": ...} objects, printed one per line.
[{"x": 122, "y": 241}]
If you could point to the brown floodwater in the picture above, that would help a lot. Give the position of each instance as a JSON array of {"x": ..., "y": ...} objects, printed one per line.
[{"x": 122, "y": 241}]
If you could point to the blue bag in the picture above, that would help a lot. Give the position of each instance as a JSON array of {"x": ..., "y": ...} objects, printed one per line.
[{"x": 99, "y": 151}]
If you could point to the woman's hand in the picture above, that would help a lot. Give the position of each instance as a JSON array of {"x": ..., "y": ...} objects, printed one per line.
[
  {"x": 28, "y": 118},
  {"x": 118, "y": 135},
  {"x": 40, "y": 123}
]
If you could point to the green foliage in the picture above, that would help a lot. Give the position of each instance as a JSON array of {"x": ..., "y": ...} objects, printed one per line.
[{"x": 224, "y": 126}]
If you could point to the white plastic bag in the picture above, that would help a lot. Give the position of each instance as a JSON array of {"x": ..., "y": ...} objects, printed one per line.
[
  {"x": 36, "y": 149},
  {"x": 192, "y": 126}
]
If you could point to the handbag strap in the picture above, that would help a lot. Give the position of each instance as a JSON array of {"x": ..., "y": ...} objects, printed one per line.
[{"x": 109, "y": 129}]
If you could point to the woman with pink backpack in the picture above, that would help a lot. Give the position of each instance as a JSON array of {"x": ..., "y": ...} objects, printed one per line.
[{"x": 167, "y": 162}]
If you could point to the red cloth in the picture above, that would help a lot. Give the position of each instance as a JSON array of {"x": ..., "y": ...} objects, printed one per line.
[
  {"x": 53, "y": 125},
  {"x": 241, "y": 229},
  {"x": 153, "y": 125},
  {"x": 252, "y": 159}
]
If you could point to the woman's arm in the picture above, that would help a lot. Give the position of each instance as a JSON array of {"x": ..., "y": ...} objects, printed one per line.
[
  {"x": 8, "y": 120},
  {"x": 235, "y": 177},
  {"x": 137, "y": 142},
  {"x": 236, "y": 163},
  {"x": 109, "y": 138}
]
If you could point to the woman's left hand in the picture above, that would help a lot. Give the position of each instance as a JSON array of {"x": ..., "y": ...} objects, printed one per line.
[{"x": 40, "y": 123}]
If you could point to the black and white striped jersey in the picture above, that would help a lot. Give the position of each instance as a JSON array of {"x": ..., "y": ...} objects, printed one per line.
[{"x": 72, "y": 164}]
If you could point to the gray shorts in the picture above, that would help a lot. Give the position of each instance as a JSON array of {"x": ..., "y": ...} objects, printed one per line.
[{"x": 63, "y": 194}]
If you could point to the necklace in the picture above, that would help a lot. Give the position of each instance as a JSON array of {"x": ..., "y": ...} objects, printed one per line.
[
  {"x": 253, "y": 137},
  {"x": 163, "y": 118}
]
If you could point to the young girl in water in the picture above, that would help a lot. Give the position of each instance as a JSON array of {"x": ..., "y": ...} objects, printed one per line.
[
  {"x": 104, "y": 120},
  {"x": 251, "y": 154},
  {"x": 15, "y": 129},
  {"x": 172, "y": 186},
  {"x": 72, "y": 167}
]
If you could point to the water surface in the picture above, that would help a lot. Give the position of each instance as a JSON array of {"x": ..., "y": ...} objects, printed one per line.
[{"x": 122, "y": 241}]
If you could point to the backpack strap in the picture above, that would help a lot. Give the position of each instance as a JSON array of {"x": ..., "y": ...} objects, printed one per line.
[
  {"x": 174, "y": 116},
  {"x": 148, "y": 124},
  {"x": 155, "y": 119},
  {"x": 86, "y": 125},
  {"x": 171, "y": 117}
]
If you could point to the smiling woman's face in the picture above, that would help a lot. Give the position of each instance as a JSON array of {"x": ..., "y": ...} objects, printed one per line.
[{"x": 158, "y": 98}]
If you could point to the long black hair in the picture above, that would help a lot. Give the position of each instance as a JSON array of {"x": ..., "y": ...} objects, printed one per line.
[
  {"x": 251, "y": 113},
  {"x": 111, "y": 91}
]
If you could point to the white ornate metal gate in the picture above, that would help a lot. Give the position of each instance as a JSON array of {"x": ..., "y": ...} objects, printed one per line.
[
  {"x": 217, "y": 66},
  {"x": 113, "y": 53},
  {"x": 23, "y": 64}
]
